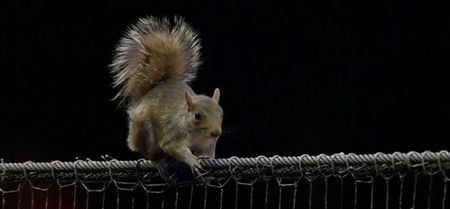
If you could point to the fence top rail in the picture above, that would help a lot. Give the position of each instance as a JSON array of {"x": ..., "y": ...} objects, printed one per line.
[{"x": 427, "y": 162}]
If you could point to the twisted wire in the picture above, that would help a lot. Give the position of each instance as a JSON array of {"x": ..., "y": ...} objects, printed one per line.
[{"x": 304, "y": 165}]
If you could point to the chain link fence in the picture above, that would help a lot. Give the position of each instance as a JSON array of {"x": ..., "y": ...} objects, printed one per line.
[{"x": 395, "y": 180}]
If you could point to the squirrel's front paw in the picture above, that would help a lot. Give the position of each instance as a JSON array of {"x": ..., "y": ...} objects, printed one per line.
[{"x": 193, "y": 162}]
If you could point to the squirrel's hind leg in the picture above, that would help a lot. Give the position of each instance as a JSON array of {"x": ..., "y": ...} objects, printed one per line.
[{"x": 134, "y": 135}]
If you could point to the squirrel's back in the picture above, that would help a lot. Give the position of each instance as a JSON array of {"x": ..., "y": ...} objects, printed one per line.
[{"x": 152, "y": 52}]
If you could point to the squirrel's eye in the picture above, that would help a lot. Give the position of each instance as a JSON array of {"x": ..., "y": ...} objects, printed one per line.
[{"x": 197, "y": 116}]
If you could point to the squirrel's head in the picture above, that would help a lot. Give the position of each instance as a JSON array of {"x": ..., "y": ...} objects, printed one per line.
[{"x": 204, "y": 114}]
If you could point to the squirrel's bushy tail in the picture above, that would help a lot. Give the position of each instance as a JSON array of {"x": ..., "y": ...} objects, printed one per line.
[{"x": 153, "y": 51}]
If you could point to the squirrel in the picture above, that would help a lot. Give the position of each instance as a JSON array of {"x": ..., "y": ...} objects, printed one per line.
[{"x": 153, "y": 66}]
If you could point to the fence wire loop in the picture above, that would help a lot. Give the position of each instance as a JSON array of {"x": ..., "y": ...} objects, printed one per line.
[
  {"x": 219, "y": 182},
  {"x": 272, "y": 166},
  {"x": 75, "y": 170},
  {"x": 238, "y": 172},
  {"x": 423, "y": 163},
  {"x": 110, "y": 171},
  {"x": 2, "y": 162},
  {"x": 417, "y": 158},
  {"x": 3, "y": 173},
  {"x": 25, "y": 172},
  {"x": 231, "y": 169},
  {"x": 300, "y": 168},
  {"x": 282, "y": 181},
  {"x": 358, "y": 171},
  {"x": 326, "y": 174},
  {"x": 138, "y": 169},
  {"x": 311, "y": 173},
  {"x": 261, "y": 161},
  {"x": 52, "y": 169},
  {"x": 234, "y": 167},
  {"x": 443, "y": 171},
  {"x": 259, "y": 170},
  {"x": 261, "y": 165},
  {"x": 386, "y": 168},
  {"x": 401, "y": 167},
  {"x": 120, "y": 185},
  {"x": 56, "y": 176},
  {"x": 342, "y": 171},
  {"x": 431, "y": 170},
  {"x": 349, "y": 168}
]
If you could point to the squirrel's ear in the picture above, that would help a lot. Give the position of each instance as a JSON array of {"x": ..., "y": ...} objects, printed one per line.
[
  {"x": 188, "y": 98},
  {"x": 216, "y": 96}
]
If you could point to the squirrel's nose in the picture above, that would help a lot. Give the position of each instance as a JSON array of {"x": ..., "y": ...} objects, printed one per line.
[{"x": 215, "y": 133}]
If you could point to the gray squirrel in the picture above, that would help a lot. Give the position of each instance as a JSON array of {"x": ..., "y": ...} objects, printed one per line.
[{"x": 153, "y": 66}]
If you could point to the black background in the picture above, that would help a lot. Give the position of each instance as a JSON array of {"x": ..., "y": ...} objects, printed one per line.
[{"x": 306, "y": 77}]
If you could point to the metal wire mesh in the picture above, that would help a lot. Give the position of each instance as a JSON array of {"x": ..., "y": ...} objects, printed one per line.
[{"x": 396, "y": 180}]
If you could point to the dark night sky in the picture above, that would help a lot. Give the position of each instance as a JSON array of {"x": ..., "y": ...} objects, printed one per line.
[{"x": 308, "y": 77}]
